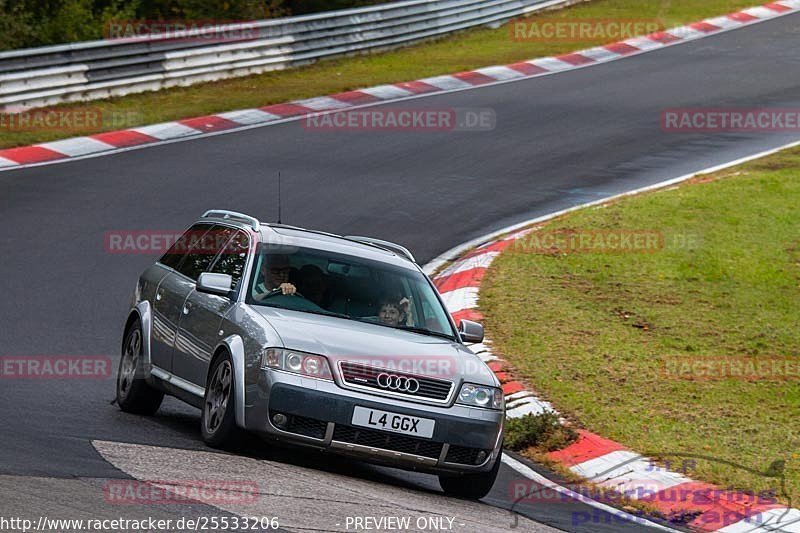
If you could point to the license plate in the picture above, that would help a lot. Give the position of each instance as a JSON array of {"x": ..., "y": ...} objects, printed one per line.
[{"x": 397, "y": 423}]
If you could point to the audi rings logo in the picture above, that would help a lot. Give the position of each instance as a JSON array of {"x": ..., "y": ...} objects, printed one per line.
[{"x": 398, "y": 383}]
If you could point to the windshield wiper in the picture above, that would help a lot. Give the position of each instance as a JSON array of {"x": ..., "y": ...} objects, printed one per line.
[
  {"x": 320, "y": 312},
  {"x": 425, "y": 331},
  {"x": 329, "y": 313}
]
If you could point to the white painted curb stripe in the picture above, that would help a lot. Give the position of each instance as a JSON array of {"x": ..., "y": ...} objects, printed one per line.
[
  {"x": 552, "y": 64},
  {"x": 387, "y": 92},
  {"x": 249, "y": 116},
  {"x": 447, "y": 83},
  {"x": 500, "y": 73},
  {"x": 461, "y": 299},
  {"x": 544, "y": 482},
  {"x": 470, "y": 263},
  {"x": 322, "y": 103},
  {"x": 77, "y": 146},
  {"x": 600, "y": 54},
  {"x": 628, "y": 472},
  {"x": 167, "y": 130}
]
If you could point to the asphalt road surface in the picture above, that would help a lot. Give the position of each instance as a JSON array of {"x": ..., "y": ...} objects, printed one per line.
[{"x": 558, "y": 141}]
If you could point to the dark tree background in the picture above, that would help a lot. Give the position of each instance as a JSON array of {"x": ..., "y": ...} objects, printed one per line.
[{"x": 26, "y": 23}]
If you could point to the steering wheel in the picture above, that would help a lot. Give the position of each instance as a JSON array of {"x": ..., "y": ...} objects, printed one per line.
[{"x": 275, "y": 292}]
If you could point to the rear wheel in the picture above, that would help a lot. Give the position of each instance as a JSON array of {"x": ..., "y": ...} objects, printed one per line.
[
  {"x": 134, "y": 395},
  {"x": 471, "y": 486},
  {"x": 218, "y": 421}
]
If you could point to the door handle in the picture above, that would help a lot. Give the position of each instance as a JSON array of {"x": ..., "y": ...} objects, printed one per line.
[
  {"x": 159, "y": 295},
  {"x": 186, "y": 308}
]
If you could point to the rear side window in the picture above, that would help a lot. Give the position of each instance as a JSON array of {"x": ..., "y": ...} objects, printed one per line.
[
  {"x": 179, "y": 250},
  {"x": 202, "y": 251},
  {"x": 233, "y": 257}
]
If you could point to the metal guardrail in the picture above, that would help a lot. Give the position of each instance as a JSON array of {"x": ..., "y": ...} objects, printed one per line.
[{"x": 43, "y": 76}]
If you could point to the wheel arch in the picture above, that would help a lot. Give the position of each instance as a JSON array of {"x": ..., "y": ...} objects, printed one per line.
[
  {"x": 234, "y": 347},
  {"x": 143, "y": 313}
]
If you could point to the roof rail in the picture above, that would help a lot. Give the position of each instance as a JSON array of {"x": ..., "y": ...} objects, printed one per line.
[
  {"x": 233, "y": 215},
  {"x": 386, "y": 245}
]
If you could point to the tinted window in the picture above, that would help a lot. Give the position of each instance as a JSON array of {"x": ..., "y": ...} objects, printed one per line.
[
  {"x": 203, "y": 250},
  {"x": 177, "y": 251},
  {"x": 233, "y": 258}
]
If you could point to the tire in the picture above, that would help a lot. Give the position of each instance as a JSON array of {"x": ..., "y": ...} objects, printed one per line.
[
  {"x": 471, "y": 486},
  {"x": 134, "y": 395},
  {"x": 218, "y": 419}
]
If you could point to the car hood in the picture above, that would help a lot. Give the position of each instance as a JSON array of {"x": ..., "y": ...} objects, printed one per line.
[{"x": 349, "y": 340}]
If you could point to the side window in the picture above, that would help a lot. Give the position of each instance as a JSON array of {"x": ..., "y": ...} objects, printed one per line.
[
  {"x": 179, "y": 249},
  {"x": 233, "y": 257},
  {"x": 203, "y": 250}
]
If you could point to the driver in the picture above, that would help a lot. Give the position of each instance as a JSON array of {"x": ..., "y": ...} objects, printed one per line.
[{"x": 275, "y": 276}]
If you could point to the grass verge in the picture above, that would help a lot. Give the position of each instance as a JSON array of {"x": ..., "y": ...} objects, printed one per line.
[
  {"x": 614, "y": 339},
  {"x": 465, "y": 51}
]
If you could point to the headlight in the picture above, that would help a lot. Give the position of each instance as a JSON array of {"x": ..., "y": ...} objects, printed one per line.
[
  {"x": 480, "y": 396},
  {"x": 315, "y": 366}
]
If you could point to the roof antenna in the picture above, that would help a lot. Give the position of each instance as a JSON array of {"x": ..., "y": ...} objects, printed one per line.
[{"x": 279, "y": 197}]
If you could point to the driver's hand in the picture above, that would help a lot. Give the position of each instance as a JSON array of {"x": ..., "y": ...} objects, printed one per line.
[
  {"x": 287, "y": 288},
  {"x": 408, "y": 309}
]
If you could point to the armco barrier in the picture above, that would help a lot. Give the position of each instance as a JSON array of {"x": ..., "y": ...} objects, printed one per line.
[{"x": 43, "y": 76}]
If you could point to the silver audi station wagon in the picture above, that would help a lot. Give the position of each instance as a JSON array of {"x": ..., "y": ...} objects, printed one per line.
[{"x": 313, "y": 339}]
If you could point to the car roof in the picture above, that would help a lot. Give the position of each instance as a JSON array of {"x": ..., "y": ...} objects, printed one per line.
[{"x": 376, "y": 249}]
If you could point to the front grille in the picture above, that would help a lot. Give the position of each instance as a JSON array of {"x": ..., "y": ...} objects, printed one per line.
[
  {"x": 463, "y": 455},
  {"x": 387, "y": 441},
  {"x": 309, "y": 427},
  {"x": 367, "y": 376}
]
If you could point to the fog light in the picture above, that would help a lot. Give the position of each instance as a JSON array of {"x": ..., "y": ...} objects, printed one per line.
[
  {"x": 280, "y": 420},
  {"x": 480, "y": 457}
]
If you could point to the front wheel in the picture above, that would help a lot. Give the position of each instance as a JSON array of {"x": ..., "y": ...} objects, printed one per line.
[
  {"x": 218, "y": 420},
  {"x": 134, "y": 395},
  {"x": 471, "y": 486}
]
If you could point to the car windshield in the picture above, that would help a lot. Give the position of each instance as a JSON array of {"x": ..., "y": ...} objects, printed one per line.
[{"x": 345, "y": 286}]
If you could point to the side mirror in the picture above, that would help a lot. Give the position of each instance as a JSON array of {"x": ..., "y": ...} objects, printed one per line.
[
  {"x": 219, "y": 284},
  {"x": 470, "y": 331}
]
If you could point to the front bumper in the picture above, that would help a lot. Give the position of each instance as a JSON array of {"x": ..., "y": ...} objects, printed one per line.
[{"x": 319, "y": 414}]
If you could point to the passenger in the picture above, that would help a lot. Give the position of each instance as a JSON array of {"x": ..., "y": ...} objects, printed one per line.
[
  {"x": 275, "y": 271},
  {"x": 390, "y": 313},
  {"x": 394, "y": 313}
]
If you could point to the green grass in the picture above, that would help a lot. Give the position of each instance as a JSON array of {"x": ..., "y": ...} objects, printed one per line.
[
  {"x": 468, "y": 50},
  {"x": 591, "y": 331}
]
